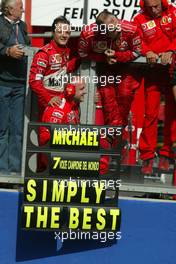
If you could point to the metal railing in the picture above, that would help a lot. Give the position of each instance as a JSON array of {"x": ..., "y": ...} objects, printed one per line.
[{"x": 161, "y": 184}]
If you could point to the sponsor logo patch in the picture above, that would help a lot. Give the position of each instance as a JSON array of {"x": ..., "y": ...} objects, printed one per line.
[
  {"x": 83, "y": 43},
  {"x": 136, "y": 41},
  {"x": 123, "y": 45},
  {"x": 38, "y": 77},
  {"x": 165, "y": 20},
  {"x": 42, "y": 62},
  {"x": 58, "y": 114},
  {"x": 150, "y": 33},
  {"x": 149, "y": 25},
  {"x": 100, "y": 46},
  {"x": 55, "y": 66},
  {"x": 71, "y": 116},
  {"x": 55, "y": 59},
  {"x": 55, "y": 82}
]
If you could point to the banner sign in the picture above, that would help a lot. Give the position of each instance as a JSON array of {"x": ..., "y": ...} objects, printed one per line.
[
  {"x": 75, "y": 139},
  {"x": 80, "y": 138},
  {"x": 62, "y": 164},
  {"x": 64, "y": 191},
  {"x": 70, "y": 193},
  {"x": 73, "y": 10},
  {"x": 75, "y": 218}
]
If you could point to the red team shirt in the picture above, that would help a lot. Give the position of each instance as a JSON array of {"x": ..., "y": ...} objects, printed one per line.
[
  {"x": 158, "y": 34},
  {"x": 92, "y": 44}
]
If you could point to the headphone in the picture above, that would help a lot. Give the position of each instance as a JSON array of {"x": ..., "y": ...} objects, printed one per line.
[{"x": 164, "y": 3}]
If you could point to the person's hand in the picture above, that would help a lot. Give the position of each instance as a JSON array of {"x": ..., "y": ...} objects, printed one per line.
[
  {"x": 151, "y": 57},
  {"x": 109, "y": 53},
  {"x": 166, "y": 57},
  {"x": 16, "y": 52},
  {"x": 111, "y": 60},
  {"x": 55, "y": 101},
  {"x": 110, "y": 56}
]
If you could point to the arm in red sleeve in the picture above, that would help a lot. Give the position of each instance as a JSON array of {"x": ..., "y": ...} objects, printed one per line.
[
  {"x": 73, "y": 64},
  {"x": 126, "y": 56},
  {"x": 144, "y": 46},
  {"x": 172, "y": 46},
  {"x": 135, "y": 48},
  {"x": 85, "y": 49},
  {"x": 37, "y": 73}
]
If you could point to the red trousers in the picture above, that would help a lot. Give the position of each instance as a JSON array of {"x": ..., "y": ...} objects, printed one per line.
[
  {"x": 117, "y": 100},
  {"x": 156, "y": 80},
  {"x": 117, "y": 97}
]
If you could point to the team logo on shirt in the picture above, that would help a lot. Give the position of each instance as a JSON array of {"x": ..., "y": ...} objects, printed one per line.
[
  {"x": 42, "y": 62},
  {"x": 55, "y": 59},
  {"x": 149, "y": 25},
  {"x": 38, "y": 77},
  {"x": 83, "y": 43},
  {"x": 71, "y": 116},
  {"x": 165, "y": 20},
  {"x": 123, "y": 46},
  {"x": 58, "y": 114},
  {"x": 136, "y": 41},
  {"x": 100, "y": 46}
]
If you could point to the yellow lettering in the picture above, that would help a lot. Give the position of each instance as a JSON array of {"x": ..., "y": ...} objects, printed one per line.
[
  {"x": 42, "y": 217},
  {"x": 75, "y": 138},
  {"x": 69, "y": 138},
  {"x": 44, "y": 191},
  {"x": 28, "y": 210},
  {"x": 95, "y": 142},
  {"x": 57, "y": 137},
  {"x": 90, "y": 138},
  {"x": 100, "y": 217},
  {"x": 72, "y": 190},
  {"x": 63, "y": 164},
  {"x": 98, "y": 188},
  {"x": 84, "y": 165},
  {"x": 58, "y": 191},
  {"x": 30, "y": 188},
  {"x": 83, "y": 198},
  {"x": 55, "y": 217},
  {"x": 87, "y": 218},
  {"x": 64, "y": 134},
  {"x": 83, "y": 140},
  {"x": 69, "y": 165},
  {"x": 74, "y": 218},
  {"x": 114, "y": 213},
  {"x": 74, "y": 165},
  {"x": 93, "y": 165},
  {"x": 57, "y": 160}
]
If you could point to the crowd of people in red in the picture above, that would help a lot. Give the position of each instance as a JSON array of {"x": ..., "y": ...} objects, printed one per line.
[
  {"x": 152, "y": 34},
  {"x": 112, "y": 43}
]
